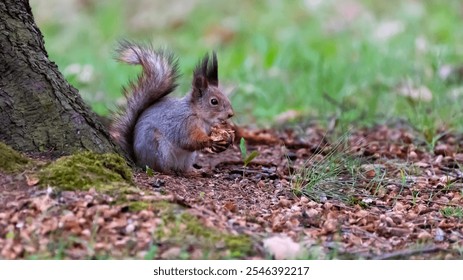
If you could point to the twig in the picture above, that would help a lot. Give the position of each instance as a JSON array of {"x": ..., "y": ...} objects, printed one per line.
[{"x": 410, "y": 252}]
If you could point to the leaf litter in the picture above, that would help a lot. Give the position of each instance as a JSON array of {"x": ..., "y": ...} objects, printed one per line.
[{"x": 376, "y": 193}]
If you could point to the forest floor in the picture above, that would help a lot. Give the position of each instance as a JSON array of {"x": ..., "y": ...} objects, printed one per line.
[{"x": 376, "y": 193}]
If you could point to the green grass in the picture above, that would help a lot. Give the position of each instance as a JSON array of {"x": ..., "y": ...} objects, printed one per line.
[
  {"x": 452, "y": 211},
  {"x": 281, "y": 55},
  {"x": 331, "y": 173}
]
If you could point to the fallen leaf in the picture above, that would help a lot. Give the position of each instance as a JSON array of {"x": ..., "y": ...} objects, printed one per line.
[
  {"x": 32, "y": 180},
  {"x": 424, "y": 235}
]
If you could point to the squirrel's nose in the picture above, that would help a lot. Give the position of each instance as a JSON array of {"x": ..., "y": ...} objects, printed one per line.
[{"x": 230, "y": 114}]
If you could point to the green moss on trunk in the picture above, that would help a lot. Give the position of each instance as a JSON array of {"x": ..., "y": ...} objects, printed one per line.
[{"x": 10, "y": 160}]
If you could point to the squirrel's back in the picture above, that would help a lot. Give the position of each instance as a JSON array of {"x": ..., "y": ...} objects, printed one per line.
[
  {"x": 158, "y": 133},
  {"x": 158, "y": 79}
]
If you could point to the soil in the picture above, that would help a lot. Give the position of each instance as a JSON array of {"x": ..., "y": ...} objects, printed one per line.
[{"x": 379, "y": 192}]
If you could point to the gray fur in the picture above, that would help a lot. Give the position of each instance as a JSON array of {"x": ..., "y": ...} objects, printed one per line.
[{"x": 157, "y": 143}]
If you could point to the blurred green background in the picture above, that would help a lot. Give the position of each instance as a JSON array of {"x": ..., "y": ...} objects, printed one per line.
[{"x": 360, "y": 61}]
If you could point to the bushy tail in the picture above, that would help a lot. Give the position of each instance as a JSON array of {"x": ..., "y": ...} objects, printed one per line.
[{"x": 158, "y": 79}]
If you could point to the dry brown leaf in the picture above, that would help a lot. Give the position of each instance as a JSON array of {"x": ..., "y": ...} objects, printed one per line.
[
  {"x": 330, "y": 225},
  {"x": 424, "y": 235},
  {"x": 230, "y": 206},
  {"x": 32, "y": 180}
]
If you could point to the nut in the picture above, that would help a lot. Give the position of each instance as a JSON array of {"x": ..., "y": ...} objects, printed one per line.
[{"x": 222, "y": 137}]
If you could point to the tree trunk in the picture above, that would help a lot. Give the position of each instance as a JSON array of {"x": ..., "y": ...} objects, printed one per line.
[{"x": 39, "y": 110}]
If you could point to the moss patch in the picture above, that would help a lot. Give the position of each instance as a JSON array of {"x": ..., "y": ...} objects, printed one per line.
[
  {"x": 136, "y": 206},
  {"x": 235, "y": 245},
  {"x": 186, "y": 231},
  {"x": 11, "y": 161},
  {"x": 82, "y": 171}
]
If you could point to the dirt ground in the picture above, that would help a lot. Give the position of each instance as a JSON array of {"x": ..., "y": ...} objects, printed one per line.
[{"x": 376, "y": 193}]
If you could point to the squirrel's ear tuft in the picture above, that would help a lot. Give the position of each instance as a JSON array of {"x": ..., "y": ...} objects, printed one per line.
[
  {"x": 212, "y": 71},
  {"x": 207, "y": 69}
]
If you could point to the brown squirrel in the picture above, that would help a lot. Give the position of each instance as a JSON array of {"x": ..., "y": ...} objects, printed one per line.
[{"x": 163, "y": 132}]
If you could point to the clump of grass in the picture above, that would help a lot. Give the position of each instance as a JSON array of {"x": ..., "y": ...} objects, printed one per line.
[
  {"x": 333, "y": 173},
  {"x": 452, "y": 212}
]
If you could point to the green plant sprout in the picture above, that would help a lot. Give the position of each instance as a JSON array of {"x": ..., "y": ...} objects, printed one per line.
[
  {"x": 149, "y": 171},
  {"x": 247, "y": 158}
]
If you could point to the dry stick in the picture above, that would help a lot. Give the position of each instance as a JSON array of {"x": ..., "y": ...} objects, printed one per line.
[
  {"x": 458, "y": 173},
  {"x": 432, "y": 201},
  {"x": 408, "y": 253}
]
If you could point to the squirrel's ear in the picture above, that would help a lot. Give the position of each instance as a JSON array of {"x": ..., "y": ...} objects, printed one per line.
[{"x": 199, "y": 83}]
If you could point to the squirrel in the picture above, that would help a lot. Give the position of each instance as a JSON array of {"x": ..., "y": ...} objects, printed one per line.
[{"x": 164, "y": 132}]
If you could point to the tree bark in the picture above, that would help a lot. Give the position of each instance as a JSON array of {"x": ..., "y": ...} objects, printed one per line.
[{"x": 39, "y": 110}]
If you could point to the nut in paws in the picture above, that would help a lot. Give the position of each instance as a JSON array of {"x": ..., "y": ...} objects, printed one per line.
[{"x": 222, "y": 138}]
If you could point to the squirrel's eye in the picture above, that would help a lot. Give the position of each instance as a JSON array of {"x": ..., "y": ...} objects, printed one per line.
[{"x": 214, "y": 101}]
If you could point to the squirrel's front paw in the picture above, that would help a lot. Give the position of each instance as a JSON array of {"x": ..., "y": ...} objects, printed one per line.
[
  {"x": 218, "y": 147},
  {"x": 221, "y": 138}
]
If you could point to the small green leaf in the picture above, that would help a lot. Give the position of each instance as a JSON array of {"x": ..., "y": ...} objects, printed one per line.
[
  {"x": 10, "y": 235},
  {"x": 149, "y": 171},
  {"x": 251, "y": 156},
  {"x": 243, "y": 148},
  {"x": 152, "y": 252}
]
